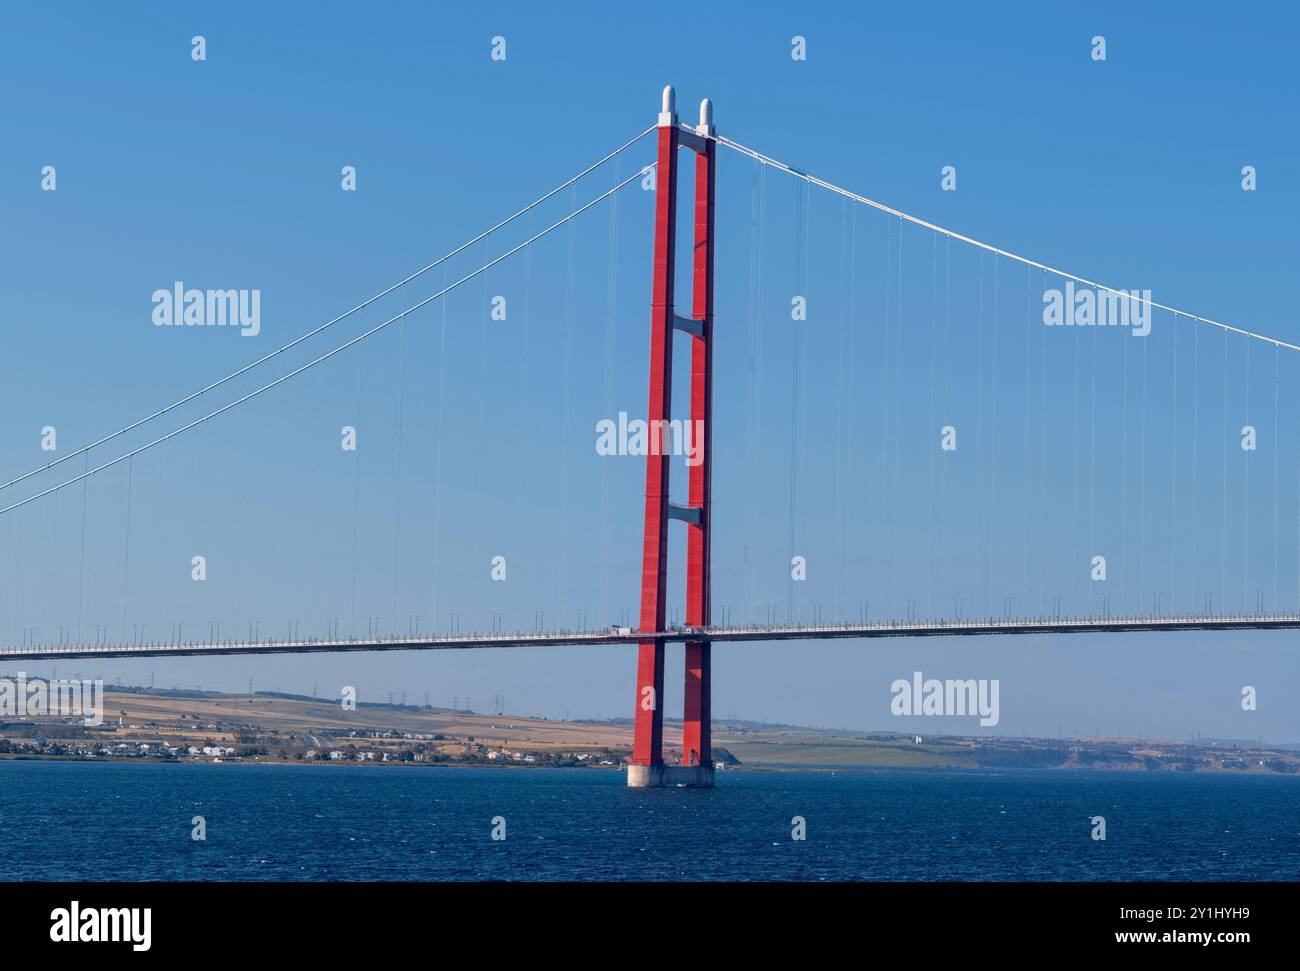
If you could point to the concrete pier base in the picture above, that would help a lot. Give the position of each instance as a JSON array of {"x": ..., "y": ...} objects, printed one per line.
[{"x": 669, "y": 776}]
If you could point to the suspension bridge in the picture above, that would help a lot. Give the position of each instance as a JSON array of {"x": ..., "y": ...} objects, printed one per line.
[
  {"x": 1104, "y": 472},
  {"x": 563, "y": 638}
]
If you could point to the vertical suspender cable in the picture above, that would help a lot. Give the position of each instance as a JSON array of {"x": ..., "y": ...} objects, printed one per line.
[
  {"x": 397, "y": 471},
  {"x": 1142, "y": 485},
  {"x": 1024, "y": 527},
  {"x": 840, "y": 366},
  {"x": 853, "y": 331},
  {"x": 803, "y": 349},
  {"x": 760, "y": 260},
  {"x": 979, "y": 435},
  {"x": 437, "y": 466},
  {"x": 898, "y": 410},
  {"x": 1245, "y": 505},
  {"x": 81, "y": 572},
  {"x": 1042, "y": 451},
  {"x": 1277, "y": 454},
  {"x": 943, "y": 492},
  {"x": 611, "y": 335},
  {"x": 993, "y": 434},
  {"x": 1123, "y": 480},
  {"x": 1074, "y": 503},
  {"x": 1196, "y": 408},
  {"x": 1223, "y": 541},
  {"x": 126, "y": 546},
  {"x": 525, "y": 372},
  {"x": 751, "y": 339},
  {"x": 800, "y": 326},
  {"x": 1173, "y": 486},
  {"x": 566, "y": 501},
  {"x": 479, "y": 495},
  {"x": 1092, "y": 468},
  {"x": 884, "y": 415},
  {"x": 930, "y": 429},
  {"x": 356, "y": 487}
]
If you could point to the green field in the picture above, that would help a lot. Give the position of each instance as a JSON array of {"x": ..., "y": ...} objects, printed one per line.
[{"x": 851, "y": 753}]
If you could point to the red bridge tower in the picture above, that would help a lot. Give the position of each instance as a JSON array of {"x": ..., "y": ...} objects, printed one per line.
[{"x": 647, "y": 767}]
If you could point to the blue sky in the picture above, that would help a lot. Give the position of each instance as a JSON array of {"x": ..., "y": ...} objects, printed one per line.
[{"x": 476, "y": 435}]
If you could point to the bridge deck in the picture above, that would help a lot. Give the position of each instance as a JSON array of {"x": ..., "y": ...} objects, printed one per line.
[{"x": 946, "y": 628}]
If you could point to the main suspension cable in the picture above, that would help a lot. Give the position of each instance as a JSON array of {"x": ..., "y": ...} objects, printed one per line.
[
  {"x": 330, "y": 323},
  {"x": 327, "y": 355},
  {"x": 791, "y": 170}
]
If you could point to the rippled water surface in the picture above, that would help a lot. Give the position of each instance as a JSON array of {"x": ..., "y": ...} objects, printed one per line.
[{"x": 122, "y": 821}]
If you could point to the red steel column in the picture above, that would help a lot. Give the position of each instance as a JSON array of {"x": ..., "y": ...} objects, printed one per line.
[
  {"x": 696, "y": 734},
  {"x": 647, "y": 743}
]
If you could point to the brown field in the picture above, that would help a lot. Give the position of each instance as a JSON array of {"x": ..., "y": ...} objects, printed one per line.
[
  {"x": 264, "y": 727},
  {"x": 176, "y": 718},
  {"x": 184, "y": 720}
]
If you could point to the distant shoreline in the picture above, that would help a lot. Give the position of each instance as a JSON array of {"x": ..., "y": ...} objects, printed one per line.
[
  {"x": 759, "y": 768},
  {"x": 194, "y": 727}
]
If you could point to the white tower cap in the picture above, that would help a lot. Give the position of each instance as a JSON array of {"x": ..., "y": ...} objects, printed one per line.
[
  {"x": 705, "y": 127},
  {"x": 668, "y": 114}
]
